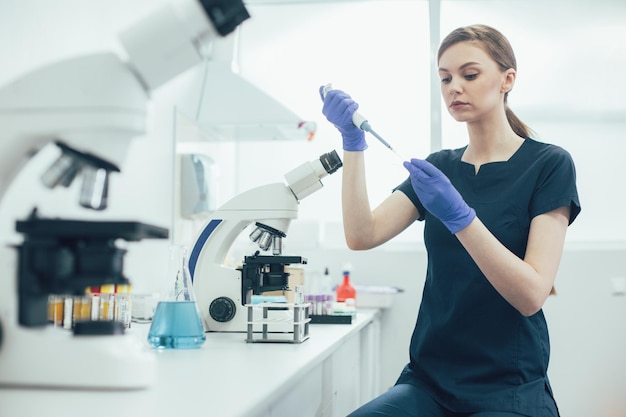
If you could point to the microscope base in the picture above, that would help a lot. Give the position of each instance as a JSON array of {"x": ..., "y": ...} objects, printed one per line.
[{"x": 52, "y": 357}]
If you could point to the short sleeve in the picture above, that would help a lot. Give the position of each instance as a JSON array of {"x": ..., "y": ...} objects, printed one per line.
[
  {"x": 407, "y": 188},
  {"x": 556, "y": 185}
]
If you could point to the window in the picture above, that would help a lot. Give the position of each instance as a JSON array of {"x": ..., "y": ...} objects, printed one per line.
[
  {"x": 569, "y": 88},
  {"x": 377, "y": 51}
]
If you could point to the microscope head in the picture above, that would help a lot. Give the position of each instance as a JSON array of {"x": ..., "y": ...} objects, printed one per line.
[
  {"x": 305, "y": 179},
  {"x": 302, "y": 181},
  {"x": 94, "y": 105}
]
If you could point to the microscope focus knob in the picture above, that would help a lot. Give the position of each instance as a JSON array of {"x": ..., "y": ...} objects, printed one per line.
[{"x": 222, "y": 309}]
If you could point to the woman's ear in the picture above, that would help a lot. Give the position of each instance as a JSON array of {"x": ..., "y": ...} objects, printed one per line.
[{"x": 509, "y": 80}]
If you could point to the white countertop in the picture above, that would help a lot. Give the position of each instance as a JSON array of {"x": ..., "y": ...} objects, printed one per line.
[{"x": 227, "y": 377}]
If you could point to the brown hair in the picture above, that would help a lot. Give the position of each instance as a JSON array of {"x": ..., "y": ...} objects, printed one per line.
[{"x": 499, "y": 48}]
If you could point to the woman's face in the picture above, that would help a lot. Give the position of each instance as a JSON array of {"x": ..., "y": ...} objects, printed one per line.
[{"x": 472, "y": 83}]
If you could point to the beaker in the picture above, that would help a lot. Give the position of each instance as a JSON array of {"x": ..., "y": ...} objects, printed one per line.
[{"x": 176, "y": 323}]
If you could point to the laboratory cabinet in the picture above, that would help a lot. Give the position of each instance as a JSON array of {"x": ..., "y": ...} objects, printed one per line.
[
  {"x": 347, "y": 377},
  {"x": 328, "y": 375}
]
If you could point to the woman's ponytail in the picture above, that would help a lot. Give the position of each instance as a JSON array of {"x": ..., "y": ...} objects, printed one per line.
[{"x": 520, "y": 128}]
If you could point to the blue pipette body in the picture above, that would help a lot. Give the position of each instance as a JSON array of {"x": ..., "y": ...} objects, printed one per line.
[{"x": 362, "y": 123}]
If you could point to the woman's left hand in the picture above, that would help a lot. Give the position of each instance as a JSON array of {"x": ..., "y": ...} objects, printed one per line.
[{"x": 439, "y": 196}]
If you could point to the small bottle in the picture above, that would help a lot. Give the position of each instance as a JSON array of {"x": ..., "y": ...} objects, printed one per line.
[{"x": 345, "y": 290}]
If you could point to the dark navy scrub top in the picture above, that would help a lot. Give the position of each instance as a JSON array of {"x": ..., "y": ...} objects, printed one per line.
[{"x": 470, "y": 347}]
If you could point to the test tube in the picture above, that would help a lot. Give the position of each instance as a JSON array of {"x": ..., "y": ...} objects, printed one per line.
[
  {"x": 107, "y": 300},
  {"x": 77, "y": 309},
  {"x": 319, "y": 304},
  {"x": 85, "y": 308},
  {"x": 298, "y": 294},
  {"x": 55, "y": 310},
  {"x": 68, "y": 315},
  {"x": 95, "y": 302},
  {"x": 123, "y": 304},
  {"x": 328, "y": 304}
]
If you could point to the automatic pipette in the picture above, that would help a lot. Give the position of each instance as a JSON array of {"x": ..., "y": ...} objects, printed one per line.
[{"x": 362, "y": 123}]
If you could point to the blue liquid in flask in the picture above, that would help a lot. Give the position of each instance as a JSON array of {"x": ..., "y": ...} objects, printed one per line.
[{"x": 176, "y": 325}]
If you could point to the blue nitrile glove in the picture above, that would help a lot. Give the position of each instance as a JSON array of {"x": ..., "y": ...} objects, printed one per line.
[
  {"x": 338, "y": 109},
  {"x": 439, "y": 196}
]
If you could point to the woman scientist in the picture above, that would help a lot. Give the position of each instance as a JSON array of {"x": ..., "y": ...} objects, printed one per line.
[{"x": 496, "y": 213}]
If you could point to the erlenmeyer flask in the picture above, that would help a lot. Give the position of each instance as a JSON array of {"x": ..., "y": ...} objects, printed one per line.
[{"x": 176, "y": 323}]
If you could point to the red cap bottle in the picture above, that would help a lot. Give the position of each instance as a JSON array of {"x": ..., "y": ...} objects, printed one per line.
[{"x": 345, "y": 290}]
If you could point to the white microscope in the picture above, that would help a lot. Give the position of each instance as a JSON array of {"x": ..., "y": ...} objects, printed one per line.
[
  {"x": 222, "y": 292},
  {"x": 91, "y": 106}
]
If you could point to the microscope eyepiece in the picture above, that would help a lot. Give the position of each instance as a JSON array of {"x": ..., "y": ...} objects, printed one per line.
[
  {"x": 305, "y": 179},
  {"x": 331, "y": 161}
]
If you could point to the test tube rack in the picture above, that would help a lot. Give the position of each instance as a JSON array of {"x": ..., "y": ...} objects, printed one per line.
[{"x": 294, "y": 329}]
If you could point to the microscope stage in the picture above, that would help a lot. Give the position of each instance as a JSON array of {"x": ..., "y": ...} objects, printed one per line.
[{"x": 127, "y": 230}]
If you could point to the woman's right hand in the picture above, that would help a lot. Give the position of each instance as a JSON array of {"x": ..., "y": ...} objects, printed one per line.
[{"x": 338, "y": 109}]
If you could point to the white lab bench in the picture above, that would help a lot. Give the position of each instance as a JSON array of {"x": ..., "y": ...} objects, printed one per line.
[{"x": 329, "y": 374}]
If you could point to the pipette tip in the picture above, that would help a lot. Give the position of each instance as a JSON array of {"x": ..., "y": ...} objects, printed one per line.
[{"x": 387, "y": 145}]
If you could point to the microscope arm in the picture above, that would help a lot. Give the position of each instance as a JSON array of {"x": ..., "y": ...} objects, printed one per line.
[
  {"x": 219, "y": 288},
  {"x": 273, "y": 205}
]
